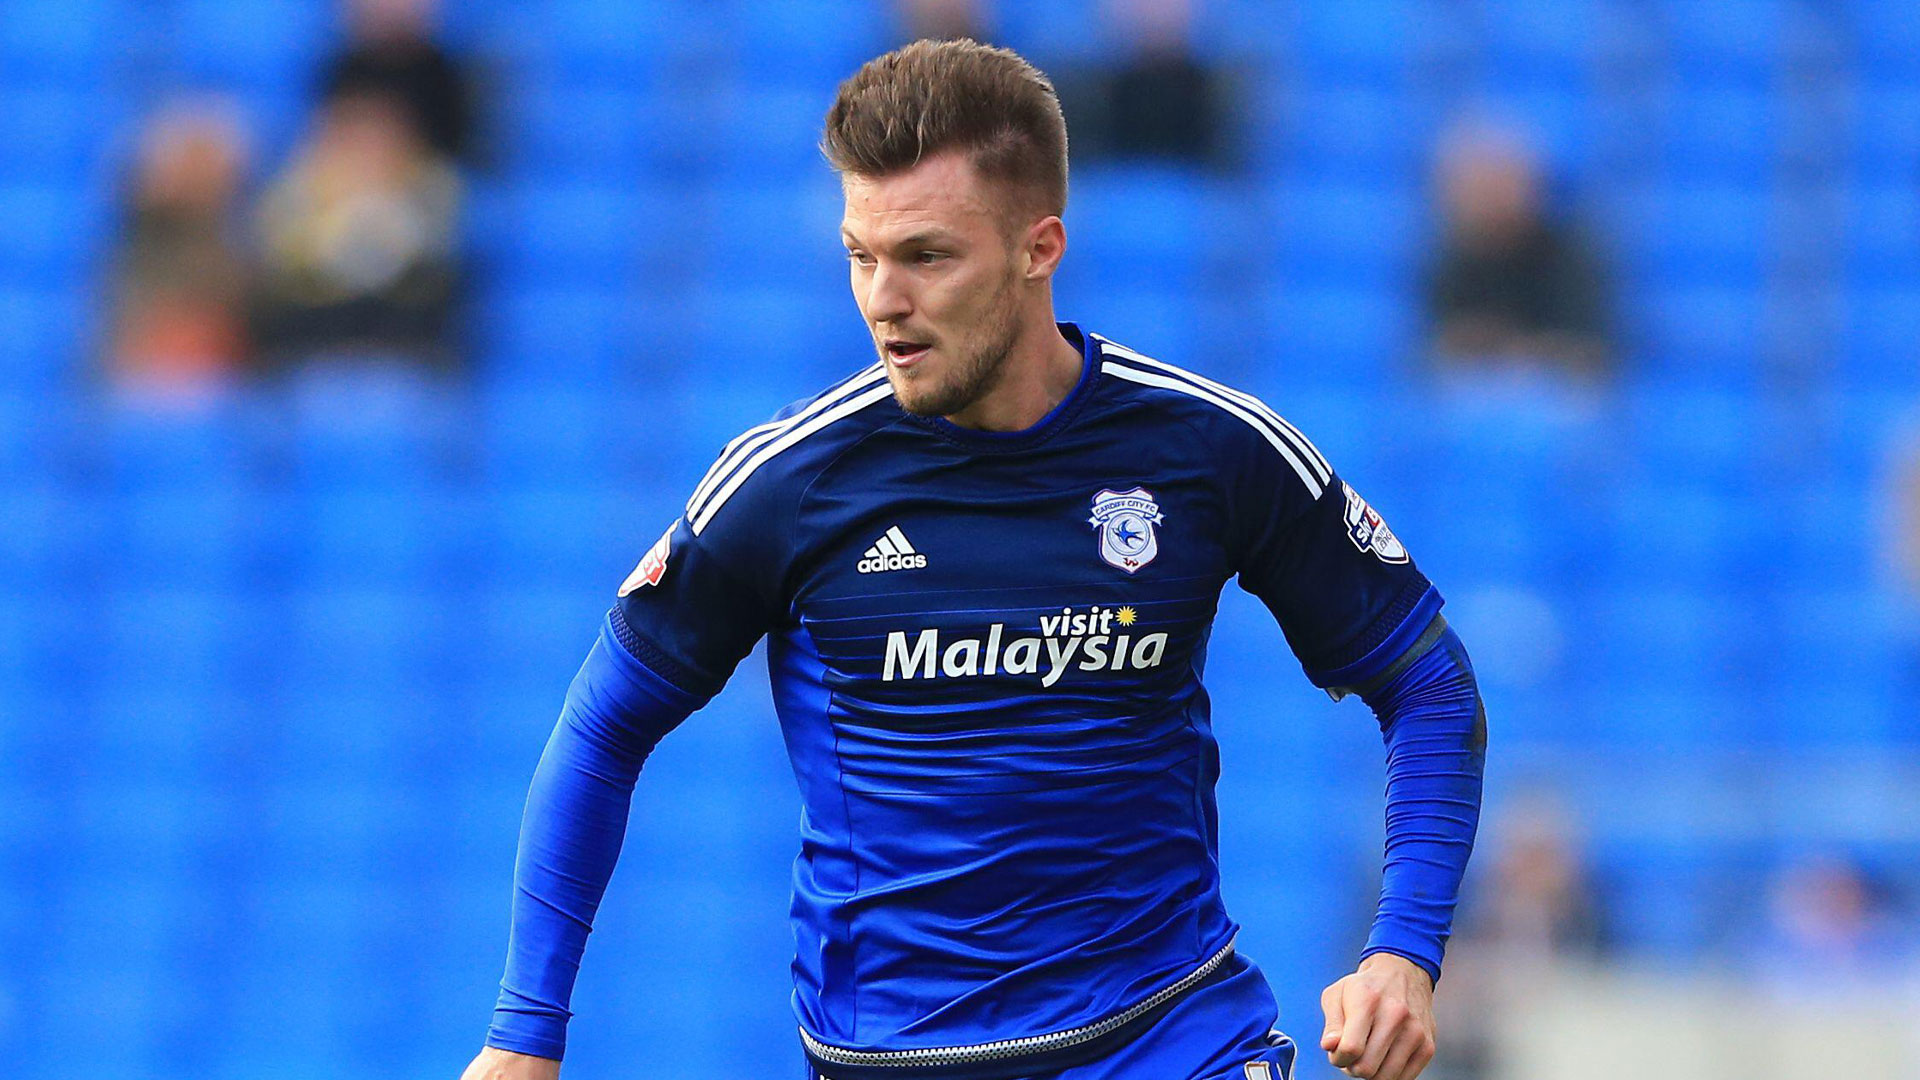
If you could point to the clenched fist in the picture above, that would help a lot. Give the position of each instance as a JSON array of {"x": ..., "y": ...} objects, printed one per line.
[{"x": 1380, "y": 1019}]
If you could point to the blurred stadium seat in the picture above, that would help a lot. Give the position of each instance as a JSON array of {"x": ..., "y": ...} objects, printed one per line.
[{"x": 275, "y": 666}]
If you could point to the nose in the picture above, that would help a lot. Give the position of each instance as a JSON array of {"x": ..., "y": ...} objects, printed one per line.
[{"x": 887, "y": 298}]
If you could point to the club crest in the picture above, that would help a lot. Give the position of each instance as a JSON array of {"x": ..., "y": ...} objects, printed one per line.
[{"x": 1125, "y": 520}]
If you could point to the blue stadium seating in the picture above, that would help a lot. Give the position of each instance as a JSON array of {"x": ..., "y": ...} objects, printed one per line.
[
  {"x": 249, "y": 47},
  {"x": 1708, "y": 132},
  {"x": 136, "y": 447},
  {"x": 748, "y": 129},
  {"x": 1880, "y": 218},
  {"x": 1361, "y": 130},
  {"x": 1369, "y": 235},
  {"x": 53, "y": 133},
  {"x": 810, "y": 44},
  {"x": 1700, "y": 325},
  {"x": 37, "y": 640},
  {"x": 591, "y": 42},
  {"x": 55, "y": 43},
  {"x": 611, "y": 135},
  {"x": 47, "y": 230},
  {"x": 584, "y": 234},
  {"x": 275, "y": 662},
  {"x": 1887, "y": 36},
  {"x": 1875, "y": 338},
  {"x": 1659, "y": 902},
  {"x": 1339, "y": 335},
  {"x": 1135, "y": 226},
  {"x": 1691, "y": 231},
  {"x": 1553, "y": 43},
  {"x": 1730, "y": 43},
  {"x": 557, "y": 335},
  {"x": 1070, "y": 30},
  {"x": 768, "y": 234},
  {"x": 1372, "y": 44},
  {"x": 1719, "y": 439}
]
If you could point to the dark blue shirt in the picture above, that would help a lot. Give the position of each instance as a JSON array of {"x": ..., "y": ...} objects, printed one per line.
[{"x": 986, "y": 651}]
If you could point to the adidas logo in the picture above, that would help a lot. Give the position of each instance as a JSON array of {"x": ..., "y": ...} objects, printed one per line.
[{"x": 891, "y": 552}]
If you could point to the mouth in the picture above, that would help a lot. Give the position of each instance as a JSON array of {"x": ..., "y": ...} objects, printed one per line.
[{"x": 904, "y": 353}]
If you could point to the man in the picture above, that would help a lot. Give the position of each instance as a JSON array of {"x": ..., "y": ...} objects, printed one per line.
[
  {"x": 986, "y": 567},
  {"x": 1510, "y": 286}
]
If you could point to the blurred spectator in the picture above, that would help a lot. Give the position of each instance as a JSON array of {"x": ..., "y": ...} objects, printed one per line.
[
  {"x": 1510, "y": 286},
  {"x": 1159, "y": 101},
  {"x": 1905, "y": 503},
  {"x": 944, "y": 20},
  {"x": 1537, "y": 905},
  {"x": 1900, "y": 562},
  {"x": 358, "y": 242},
  {"x": 1831, "y": 925},
  {"x": 390, "y": 51},
  {"x": 178, "y": 294},
  {"x": 1532, "y": 909}
]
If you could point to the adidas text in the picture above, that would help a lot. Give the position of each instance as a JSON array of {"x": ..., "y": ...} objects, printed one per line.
[
  {"x": 893, "y": 551},
  {"x": 878, "y": 563}
]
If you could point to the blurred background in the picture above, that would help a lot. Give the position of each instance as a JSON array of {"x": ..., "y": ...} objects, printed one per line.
[{"x": 353, "y": 352}]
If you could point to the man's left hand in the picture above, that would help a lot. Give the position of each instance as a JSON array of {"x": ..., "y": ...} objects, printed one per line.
[{"x": 1380, "y": 1019}]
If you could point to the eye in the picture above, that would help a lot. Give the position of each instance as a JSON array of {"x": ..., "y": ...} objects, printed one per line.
[
  {"x": 860, "y": 258},
  {"x": 928, "y": 258}
]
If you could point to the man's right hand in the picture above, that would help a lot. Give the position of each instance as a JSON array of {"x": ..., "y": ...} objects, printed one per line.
[{"x": 494, "y": 1064}]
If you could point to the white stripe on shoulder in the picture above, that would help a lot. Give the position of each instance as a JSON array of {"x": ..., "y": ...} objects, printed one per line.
[
  {"x": 718, "y": 468},
  {"x": 1292, "y": 434},
  {"x": 1149, "y": 378},
  {"x": 744, "y": 444},
  {"x": 788, "y": 436}
]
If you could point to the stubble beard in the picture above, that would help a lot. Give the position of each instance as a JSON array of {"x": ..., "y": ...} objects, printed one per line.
[{"x": 975, "y": 374}]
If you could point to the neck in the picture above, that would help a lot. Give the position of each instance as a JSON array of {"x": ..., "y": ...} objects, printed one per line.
[{"x": 1039, "y": 372}]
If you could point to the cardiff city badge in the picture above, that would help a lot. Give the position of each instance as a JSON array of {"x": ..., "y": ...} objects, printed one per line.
[
  {"x": 1126, "y": 520},
  {"x": 1368, "y": 530}
]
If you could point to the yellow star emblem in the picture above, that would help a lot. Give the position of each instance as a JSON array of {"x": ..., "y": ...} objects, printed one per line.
[{"x": 1125, "y": 616}]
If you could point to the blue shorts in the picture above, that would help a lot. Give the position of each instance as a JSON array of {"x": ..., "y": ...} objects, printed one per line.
[{"x": 1223, "y": 1030}]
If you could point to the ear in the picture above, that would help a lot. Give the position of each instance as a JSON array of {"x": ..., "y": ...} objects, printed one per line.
[{"x": 1042, "y": 248}]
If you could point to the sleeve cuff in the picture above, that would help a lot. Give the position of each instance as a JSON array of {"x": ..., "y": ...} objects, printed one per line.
[
  {"x": 1411, "y": 626},
  {"x": 538, "y": 1046},
  {"x": 1426, "y": 964},
  {"x": 665, "y": 679}
]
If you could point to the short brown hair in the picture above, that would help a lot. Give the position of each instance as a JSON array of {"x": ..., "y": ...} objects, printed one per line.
[{"x": 930, "y": 96}]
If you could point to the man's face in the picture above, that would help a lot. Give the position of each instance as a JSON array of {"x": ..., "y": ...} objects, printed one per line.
[
  {"x": 1491, "y": 191},
  {"x": 937, "y": 279}
]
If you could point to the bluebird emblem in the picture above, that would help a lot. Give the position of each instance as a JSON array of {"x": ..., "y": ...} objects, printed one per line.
[{"x": 1125, "y": 520}]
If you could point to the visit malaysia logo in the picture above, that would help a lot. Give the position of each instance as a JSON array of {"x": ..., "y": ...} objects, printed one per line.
[
  {"x": 1099, "y": 638},
  {"x": 1126, "y": 520}
]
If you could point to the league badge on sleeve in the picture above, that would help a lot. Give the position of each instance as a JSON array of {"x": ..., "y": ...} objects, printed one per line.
[
  {"x": 653, "y": 565},
  {"x": 1126, "y": 520},
  {"x": 1369, "y": 531}
]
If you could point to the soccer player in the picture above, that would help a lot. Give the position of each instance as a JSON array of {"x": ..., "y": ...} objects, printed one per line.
[{"x": 986, "y": 567}]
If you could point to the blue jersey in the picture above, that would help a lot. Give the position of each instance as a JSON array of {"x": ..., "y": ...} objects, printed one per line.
[{"x": 986, "y": 651}]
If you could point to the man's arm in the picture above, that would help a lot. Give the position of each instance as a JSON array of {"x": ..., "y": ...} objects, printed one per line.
[
  {"x": 616, "y": 711},
  {"x": 693, "y": 607},
  {"x": 1380, "y": 1018}
]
